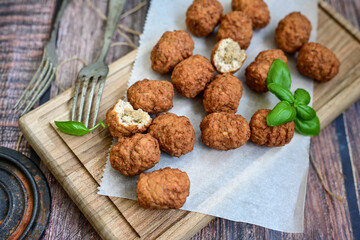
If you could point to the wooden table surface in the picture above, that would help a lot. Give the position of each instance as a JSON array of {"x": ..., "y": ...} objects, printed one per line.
[{"x": 24, "y": 30}]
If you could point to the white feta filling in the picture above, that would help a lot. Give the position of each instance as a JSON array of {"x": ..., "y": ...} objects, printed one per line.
[
  {"x": 128, "y": 116},
  {"x": 229, "y": 56}
]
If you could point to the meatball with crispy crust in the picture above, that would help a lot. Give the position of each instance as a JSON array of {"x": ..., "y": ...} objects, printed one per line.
[
  {"x": 264, "y": 135},
  {"x": 165, "y": 188},
  {"x": 257, "y": 10},
  {"x": 224, "y": 131},
  {"x": 175, "y": 134},
  {"x": 223, "y": 94},
  {"x": 172, "y": 48},
  {"x": 237, "y": 26},
  {"x": 292, "y": 32},
  {"x": 152, "y": 96},
  {"x": 271, "y": 55},
  {"x": 256, "y": 72},
  {"x": 191, "y": 76},
  {"x": 317, "y": 62},
  {"x": 202, "y": 16},
  {"x": 123, "y": 121},
  {"x": 131, "y": 156}
]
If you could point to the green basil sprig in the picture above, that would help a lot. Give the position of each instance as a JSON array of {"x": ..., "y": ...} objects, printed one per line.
[
  {"x": 292, "y": 107},
  {"x": 76, "y": 128}
]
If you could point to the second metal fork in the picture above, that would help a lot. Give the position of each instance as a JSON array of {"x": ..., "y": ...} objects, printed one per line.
[
  {"x": 96, "y": 72},
  {"x": 45, "y": 72}
]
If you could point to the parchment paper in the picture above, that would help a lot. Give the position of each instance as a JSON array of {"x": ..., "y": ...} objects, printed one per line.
[{"x": 253, "y": 184}]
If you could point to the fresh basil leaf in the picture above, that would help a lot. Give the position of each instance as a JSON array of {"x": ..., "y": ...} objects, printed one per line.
[
  {"x": 281, "y": 93},
  {"x": 279, "y": 73},
  {"x": 302, "y": 96},
  {"x": 308, "y": 127},
  {"x": 72, "y": 128},
  {"x": 305, "y": 112},
  {"x": 282, "y": 113}
]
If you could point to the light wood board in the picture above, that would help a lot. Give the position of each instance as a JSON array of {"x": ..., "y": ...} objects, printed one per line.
[{"x": 80, "y": 175}]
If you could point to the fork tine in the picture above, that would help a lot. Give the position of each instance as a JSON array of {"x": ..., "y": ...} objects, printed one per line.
[
  {"x": 76, "y": 94},
  {"x": 40, "y": 68},
  {"x": 82, "y": 99},
  {"x": 44, "y": 71},
  {"x": 89, "y": 102},
  {"x": 98, "y": 99},
  {"x": 41, "y": 89}
]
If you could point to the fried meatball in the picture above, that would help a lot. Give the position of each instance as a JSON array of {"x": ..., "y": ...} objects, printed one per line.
[
  {"x": 165, "y": 188},
  {"x": 131, "y": 156},
  {"x": 202, "y": 16},
  {"x": 175, "y": 134},
  {"x": 256, "y": 72},
  {"x": 227, "y": 56},
  {"x": 292, "y": 32},
  {"x": 264, "y": 135},
  {"x": 237, "y": 26},
  {"x": 317, "y": 62},
  {"x": 224, "y": 131},
  {"x": 172, "y": 48},
  {"x": 191, "y": 76},
  {"x": 123, "y": 121},
  {"x": 257, "y": 10},
  {"x": 223, "y": 94},
  {"x": 152, "y": 96}
]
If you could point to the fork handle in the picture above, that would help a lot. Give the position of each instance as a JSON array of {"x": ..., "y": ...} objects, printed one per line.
[
  {"x": 59, "y": 14},
  {"x": 115, "y": 8}
]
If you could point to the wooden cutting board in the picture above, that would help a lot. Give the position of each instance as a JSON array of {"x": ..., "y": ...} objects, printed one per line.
[{"x": 79, "y": 167}]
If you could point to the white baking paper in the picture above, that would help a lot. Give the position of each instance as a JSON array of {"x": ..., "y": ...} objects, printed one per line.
[{"x": 253, "y": 184}]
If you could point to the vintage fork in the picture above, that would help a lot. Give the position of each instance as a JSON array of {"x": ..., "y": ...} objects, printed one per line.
[
  {"x": 46, "y": 71},
  {"x": 96, "y": 71}
]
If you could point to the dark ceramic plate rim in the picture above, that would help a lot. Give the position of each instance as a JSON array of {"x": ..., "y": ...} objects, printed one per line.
[{"x": 15, "y": 158}]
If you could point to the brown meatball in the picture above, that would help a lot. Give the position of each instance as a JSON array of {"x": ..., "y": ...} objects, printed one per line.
[
  {"x": 165, "y": 188},
  {"x": 317, "y": 62},
  {"x": 237, "y": 26},
  {"x": 292, "y": 32},
  {"x": 223, "y": 94},
  {"x": 202, "y": 16},
  {"x": 256, "y": 72},
  {"x": 152, "y": 96},
  {"x": 224, "y": 131},
  {"x": 191, "y": 76},
  {"x": 172, "y": 48},
  {"x": 257, "y": 10},
  {"x": 131, "y": 156},
  {"x": 264, "y": 135},
  {"x": 175, "y": 134},
  {"x": 123, "y": 121}
]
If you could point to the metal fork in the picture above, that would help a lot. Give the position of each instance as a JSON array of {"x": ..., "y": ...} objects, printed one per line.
[
  {"x": 96, "y": 72},
  {"x": 46, "y": 71}
]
